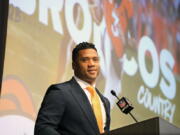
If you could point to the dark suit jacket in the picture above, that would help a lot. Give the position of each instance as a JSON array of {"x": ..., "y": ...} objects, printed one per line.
[{"x": 66, "y": 110}]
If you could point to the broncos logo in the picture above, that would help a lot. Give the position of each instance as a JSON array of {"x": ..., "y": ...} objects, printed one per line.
[{"x": 16, "y": 108}]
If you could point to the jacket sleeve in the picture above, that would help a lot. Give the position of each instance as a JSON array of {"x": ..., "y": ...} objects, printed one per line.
[
  {"x": 50, "y": 113},
  {"x": 108, "y": 117}
]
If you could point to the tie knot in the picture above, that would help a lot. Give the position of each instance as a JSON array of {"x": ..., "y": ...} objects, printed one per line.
[{"x": 91, "y": 90}]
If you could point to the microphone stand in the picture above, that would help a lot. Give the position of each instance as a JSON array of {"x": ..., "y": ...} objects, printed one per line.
[
  {"x": 114, "y": 94},
  {"x": 133, "y": 117}
]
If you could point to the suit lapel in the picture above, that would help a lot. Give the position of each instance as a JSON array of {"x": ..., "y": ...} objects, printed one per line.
[{"x": 83, "y": 101}]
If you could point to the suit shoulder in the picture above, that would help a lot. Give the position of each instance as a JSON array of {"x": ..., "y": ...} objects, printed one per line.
[
  {"x": 102, "y": 96},
  {"x": 106, "y": 99},
  {"x": 58, "y": 87}
]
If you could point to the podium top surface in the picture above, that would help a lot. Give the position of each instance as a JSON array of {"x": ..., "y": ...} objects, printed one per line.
[{"x": 153, "y": 126}]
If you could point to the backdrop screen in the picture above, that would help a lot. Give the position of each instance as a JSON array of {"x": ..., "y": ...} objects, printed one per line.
[{"x": 138, "y": 42}]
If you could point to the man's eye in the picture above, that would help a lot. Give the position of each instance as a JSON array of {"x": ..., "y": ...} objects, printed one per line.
[
  {"x": 96, "y": 59},
  {"x": 89, "y": 59},
  {"x": 84, "y": 59}
]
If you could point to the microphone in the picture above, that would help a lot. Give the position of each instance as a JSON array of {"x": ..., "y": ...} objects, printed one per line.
[
  {"x": 124, "y": 105},
  {"x": 114, "y": 94}
]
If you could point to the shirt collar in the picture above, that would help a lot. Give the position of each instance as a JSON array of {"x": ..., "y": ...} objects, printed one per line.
[{"x": 82, "y": 83}]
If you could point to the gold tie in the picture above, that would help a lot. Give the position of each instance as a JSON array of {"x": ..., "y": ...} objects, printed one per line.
[{"x": 96, "y": 106}]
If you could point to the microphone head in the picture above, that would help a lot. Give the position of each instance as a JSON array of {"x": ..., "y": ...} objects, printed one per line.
[{"x": 113, "y": 92}]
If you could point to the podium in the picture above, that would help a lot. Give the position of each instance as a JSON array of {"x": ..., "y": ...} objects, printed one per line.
[{"x": 153, "y": 126}]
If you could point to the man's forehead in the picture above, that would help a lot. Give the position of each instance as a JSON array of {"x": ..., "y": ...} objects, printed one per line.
[{"x": 88, "y": 52}]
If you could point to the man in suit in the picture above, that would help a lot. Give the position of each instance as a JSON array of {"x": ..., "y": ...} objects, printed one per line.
[{"x": 70, "y": 108}]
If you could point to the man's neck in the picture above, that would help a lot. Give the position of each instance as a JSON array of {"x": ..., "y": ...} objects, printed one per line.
[{"x": 85, "y": 82}]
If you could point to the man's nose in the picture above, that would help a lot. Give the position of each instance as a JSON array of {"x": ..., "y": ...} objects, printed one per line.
[{"x": 91, "y": 62}]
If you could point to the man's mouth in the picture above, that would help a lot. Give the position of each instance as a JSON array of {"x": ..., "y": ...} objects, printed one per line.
[{"x": 92, "y": 71}]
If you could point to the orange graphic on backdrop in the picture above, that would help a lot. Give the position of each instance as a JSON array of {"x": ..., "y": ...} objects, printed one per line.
[
  {"x": 15, "y": 99},
  {"x": 117, "y": 19}
]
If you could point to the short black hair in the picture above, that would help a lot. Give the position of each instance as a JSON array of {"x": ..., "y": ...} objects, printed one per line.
[{"x": 82, "y": 46}]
